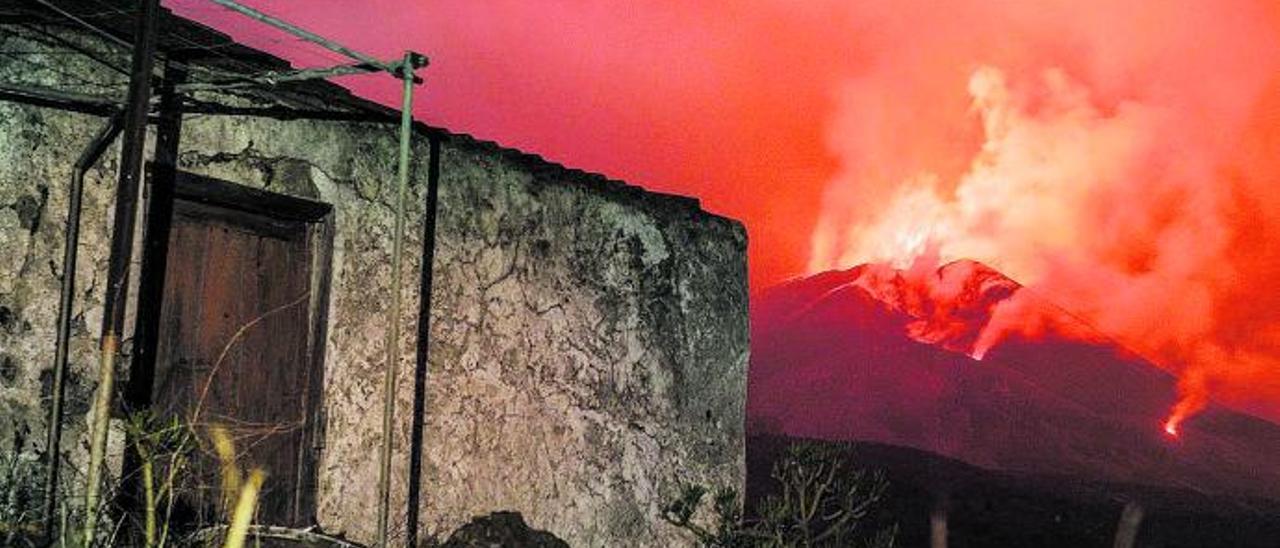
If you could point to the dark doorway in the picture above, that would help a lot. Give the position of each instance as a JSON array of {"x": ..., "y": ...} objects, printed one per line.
[{"x": 239, "y": 343}]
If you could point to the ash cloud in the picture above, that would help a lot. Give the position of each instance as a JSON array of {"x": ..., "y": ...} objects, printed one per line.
[
  {"x": 1120, "y": 157},
  {"x": 1111, "y": 158}
]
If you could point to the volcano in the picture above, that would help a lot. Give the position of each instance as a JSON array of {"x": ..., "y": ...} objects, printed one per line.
[{"x": 960, "y": 361}]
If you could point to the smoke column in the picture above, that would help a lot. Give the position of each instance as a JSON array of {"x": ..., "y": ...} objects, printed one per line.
[
  {"x": 1120, "y": 157},
  {"x": 1112, "y": 160}
]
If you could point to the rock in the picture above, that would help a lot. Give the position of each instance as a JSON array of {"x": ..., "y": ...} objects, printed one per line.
[{"x": 501, "y": 530}]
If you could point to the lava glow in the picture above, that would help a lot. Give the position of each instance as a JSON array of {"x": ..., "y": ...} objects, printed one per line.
[
  {"x": 1118, "y": 167},
  {"x": 1118, "y": 158}
]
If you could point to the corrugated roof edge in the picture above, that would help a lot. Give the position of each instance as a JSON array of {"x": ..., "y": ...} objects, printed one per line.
[
  {"x": 535, "y": 163},
  {"x": 343, "y": 101},
  {"x": 546, "y": 170},
  {"x": 539, "y": 165}
]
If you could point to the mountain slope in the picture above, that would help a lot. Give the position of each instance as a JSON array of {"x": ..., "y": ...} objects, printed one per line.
[{"x": 882, "y": 355}]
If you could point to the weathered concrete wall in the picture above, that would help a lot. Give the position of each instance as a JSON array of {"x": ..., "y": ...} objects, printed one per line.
[
  {"x": 591, "y": 346},
  {"x": 589, "y": 340},
  {"x": 37, "y": 151}
]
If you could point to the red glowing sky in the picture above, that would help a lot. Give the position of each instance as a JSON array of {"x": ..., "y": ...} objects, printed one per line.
[
  {"x": 726, "y": 103},
  {"x": 1119, "y": 156}
]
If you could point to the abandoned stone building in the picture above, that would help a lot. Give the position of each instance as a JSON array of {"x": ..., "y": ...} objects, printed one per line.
[{"x": 588, "y": 339}]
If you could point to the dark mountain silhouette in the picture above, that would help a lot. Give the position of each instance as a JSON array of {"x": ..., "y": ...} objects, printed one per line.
[{"x": 874, "y": 354}]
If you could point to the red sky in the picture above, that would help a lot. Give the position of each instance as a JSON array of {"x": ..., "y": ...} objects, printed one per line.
[
  {"x": 1118, "y": 156},
  {"x": 722, "y": 101}
]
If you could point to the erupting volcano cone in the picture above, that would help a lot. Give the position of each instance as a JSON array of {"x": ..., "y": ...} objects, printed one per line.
[{"x": 886, "y": 355}]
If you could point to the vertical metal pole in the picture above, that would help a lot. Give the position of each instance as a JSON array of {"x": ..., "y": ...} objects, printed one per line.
[
  {"x": 424, "y": 345},
  {"x": 53, "y": 452},
  {"x": 135, "y": 133},
  {"x": 393, "y": 313},
  {"x": 155, "y": 241},
  {"x": 159, "y": 186}
]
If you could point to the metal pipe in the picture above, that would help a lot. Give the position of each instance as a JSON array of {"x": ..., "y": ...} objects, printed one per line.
[
  {"x": 424, "y": 343},
  {"x": 154, "y": 256},
  {"x": 393, "y": 313},
  {"x": 132, "y": 149},
  {"x": 272, "y": 78},
  {"x": 108, "y": 36},
  {"x": 305, "y": 34},
  {"x": 78, "y": 48},
  {"x": 155, "y": 241},
  {"x": 88, "y": 158},
  {"x": 52, "y": 98}
]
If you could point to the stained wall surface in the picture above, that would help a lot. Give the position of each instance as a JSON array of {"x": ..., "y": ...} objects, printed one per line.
[{"x": 588, "y": 339}]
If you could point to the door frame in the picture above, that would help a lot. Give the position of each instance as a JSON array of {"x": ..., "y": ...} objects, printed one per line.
[{"x": 319, "y": 219}]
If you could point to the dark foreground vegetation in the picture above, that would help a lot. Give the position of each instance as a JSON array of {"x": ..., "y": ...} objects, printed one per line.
[
  {"x": 816, "y": 498},
  {"x": 984, "y": 508}
]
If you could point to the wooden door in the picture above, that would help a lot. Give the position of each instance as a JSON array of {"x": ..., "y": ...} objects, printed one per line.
[{"x": 236, "y": 344}]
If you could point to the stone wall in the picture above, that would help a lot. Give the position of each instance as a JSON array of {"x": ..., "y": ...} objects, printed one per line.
[{"x": 589, "y": 339}]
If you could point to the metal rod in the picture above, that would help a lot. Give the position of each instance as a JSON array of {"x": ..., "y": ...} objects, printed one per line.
[
  {"x": 393, "y": 313},
  {"x": 110, "y": 37},
  {"x": 95, "y": 56},
  {"x": 192, "y": 106},
  {"x": 154, "y": 256},
  {"x": 272, "y": 78},
  {"x": 53, "y": 453},
  {"x": 48, "y": 97},
  {"x": 155, "y": 239},
  {"x": 132, "y": 149},
  {"x": 305, "y": 34},
  {"x": 424, "y": 343}
]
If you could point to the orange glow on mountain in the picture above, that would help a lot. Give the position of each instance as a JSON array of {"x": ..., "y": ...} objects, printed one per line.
[
  {"x": 1118, "y": 158},
  {"x": 1117, "y": 170}
]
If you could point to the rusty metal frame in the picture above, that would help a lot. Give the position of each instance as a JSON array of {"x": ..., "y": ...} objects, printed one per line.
[
  {"x": 132, "y": 147},
  {"x": 53, "y": 453},
  {"x": 136, "y": 117}
]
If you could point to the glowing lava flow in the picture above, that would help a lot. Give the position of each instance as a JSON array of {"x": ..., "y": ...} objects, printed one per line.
[
  {"x": 1116, "y": 157},
  {"x": 964, "y": 306},
  {"x": 969, "y": 308},
  {"x": 1110, "y": 208}
]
